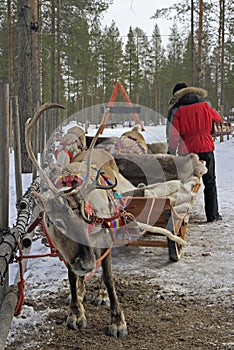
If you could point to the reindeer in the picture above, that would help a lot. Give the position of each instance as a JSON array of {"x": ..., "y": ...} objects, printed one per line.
[
  {"x": 131, "y": 139},
  {"x": 71, "y": 144},
  {"x": 129, "y": 142},
  {"x": 67, "y": 222}
]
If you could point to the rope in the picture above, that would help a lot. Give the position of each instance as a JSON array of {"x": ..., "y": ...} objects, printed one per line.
[
  {"x": 53, "y": 253},
  {"x": 165, "y": 232},
  {"x": 98, "y": 263},
  {"x": 21, "y": 284}
]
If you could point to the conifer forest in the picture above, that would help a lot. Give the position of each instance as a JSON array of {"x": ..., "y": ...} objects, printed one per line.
[{"x": 59, "y": 51}]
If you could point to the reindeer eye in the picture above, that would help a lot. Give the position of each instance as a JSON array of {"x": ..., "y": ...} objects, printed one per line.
[{"x": 60, "y": 225}]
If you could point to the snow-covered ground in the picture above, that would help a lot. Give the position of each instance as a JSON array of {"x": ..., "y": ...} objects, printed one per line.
[{"x": 49, "y": 274}]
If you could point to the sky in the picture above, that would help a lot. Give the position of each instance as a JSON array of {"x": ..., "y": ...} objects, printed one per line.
[{"x": 137, "y": 13}]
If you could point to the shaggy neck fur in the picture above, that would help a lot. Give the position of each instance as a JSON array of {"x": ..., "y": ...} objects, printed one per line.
[{"x": 179, "y": 94}]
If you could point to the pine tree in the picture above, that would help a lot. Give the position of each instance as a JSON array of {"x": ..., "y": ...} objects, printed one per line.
[
  {"x": 112, "y": 59},
  {"x": 157, "y": 57},
  {"x": 131, "y": 66}
]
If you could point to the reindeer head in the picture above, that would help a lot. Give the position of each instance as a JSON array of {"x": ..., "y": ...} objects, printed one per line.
[{"x": 68, "y": 230}]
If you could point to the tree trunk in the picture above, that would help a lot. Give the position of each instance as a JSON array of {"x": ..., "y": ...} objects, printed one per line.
[
  {"x": 35, "y": 55},
  {"x": 25, "y": 74},
  {"x": 58, "y": 65},
  {"x": 199, "y": 64},
  {"x": 10, "y": 64},
  {"x": 192, "y": 44},
  {"x": 222, "y": 19},
  {"x": 10, "y": 57},
  {"x": 50, "y": 124},
  {"x": 53, "y": 91}
]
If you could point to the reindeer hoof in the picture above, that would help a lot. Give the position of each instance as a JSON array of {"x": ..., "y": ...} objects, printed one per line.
[
  {"x": 71, "y": 322},
  {"x": 117, "y": 331},
  {"x": 82, "y": 322},
  {"x": 74, "y": 323},
  {"x": 102, "y": 299}
]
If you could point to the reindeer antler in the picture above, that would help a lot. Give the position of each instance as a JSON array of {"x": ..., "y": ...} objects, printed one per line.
[
  {"x": 85, "y": 183},
  {"x": 29, "y": 125}
]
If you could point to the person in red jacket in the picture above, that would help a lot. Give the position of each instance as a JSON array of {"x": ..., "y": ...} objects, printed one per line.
[{"x": 189, "y": 127}]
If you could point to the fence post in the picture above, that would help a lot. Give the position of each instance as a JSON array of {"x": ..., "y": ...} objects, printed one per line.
[
  {"x": 4, "y": 175},
  {"x": 4, "y": 169},
  {"x": 17, "y": 148}
]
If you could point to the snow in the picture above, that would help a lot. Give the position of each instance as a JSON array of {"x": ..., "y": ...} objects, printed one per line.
[
  {"x": 55, "y": 268},
  {"x": 47, "y": 275}
]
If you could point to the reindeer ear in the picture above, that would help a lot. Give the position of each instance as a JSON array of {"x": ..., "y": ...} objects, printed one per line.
[{"x": 39, "y": 198}]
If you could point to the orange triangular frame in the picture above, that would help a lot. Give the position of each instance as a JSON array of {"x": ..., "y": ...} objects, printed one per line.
[{"x": 119, "y": 87}]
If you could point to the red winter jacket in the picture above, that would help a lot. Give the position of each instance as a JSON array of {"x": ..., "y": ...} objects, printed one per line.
[{"x": 191, "y": 121}]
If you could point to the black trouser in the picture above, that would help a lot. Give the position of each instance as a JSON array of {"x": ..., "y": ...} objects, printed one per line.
[{"x": 210, "y": 190}]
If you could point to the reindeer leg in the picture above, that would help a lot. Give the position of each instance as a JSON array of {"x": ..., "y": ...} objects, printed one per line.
[
  {"x": 76, "y": 314},
  {"x": 102, "y": 297},
  {"x": 118, "y": 327}
]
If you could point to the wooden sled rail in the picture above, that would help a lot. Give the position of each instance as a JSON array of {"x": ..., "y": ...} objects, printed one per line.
[{"x": 158, "y": 212}]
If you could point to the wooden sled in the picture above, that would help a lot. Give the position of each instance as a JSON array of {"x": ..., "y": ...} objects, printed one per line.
[{"x": 158, "y": 212}]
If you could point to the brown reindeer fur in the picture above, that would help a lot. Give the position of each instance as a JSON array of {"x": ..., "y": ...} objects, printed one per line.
[
  {"x": 102, "y": 159},
  {"x": 157, "y": 147},
  {"x": 68, "y": 229},
  {"x": 136, "y": 134}
]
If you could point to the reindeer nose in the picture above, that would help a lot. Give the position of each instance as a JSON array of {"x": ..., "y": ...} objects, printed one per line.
[{"x": 81, "y": 266}]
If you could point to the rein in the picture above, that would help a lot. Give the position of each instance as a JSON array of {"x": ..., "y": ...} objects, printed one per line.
[
  {"x": 119, "y": 219},
  {"x": 21, "y": 257}
]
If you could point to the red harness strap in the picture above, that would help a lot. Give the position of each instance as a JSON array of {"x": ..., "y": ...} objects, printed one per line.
[
  {"x": 63, "y": 150},
  {"x": 108, "y": 223},
  {"x": 53, "y": 253}
]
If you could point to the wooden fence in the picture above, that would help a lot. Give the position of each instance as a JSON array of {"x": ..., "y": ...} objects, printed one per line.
[{"x": 10, "y": 237}]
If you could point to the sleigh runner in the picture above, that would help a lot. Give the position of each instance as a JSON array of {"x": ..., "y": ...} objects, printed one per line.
[{"x": 158, "y": 212}]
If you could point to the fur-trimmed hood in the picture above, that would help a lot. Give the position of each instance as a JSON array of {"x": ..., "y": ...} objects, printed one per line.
[{"x": 188, "y": 90}]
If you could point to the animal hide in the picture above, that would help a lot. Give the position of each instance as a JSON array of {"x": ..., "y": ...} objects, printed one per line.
[
  {"x": 157, "y": 148},
  {"x": 180, "y": 191},
  {"x": 129, "y": 142},
  {"x": 158, "y": 167}
]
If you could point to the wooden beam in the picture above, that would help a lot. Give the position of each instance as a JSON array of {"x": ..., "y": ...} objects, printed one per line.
[
  {"x": 6, "y": 314},
  {"x": 149, "y": 243}
]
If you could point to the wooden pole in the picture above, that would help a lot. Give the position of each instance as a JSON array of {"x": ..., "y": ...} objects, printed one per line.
[
  {"x": 9, "y": 302},
  {"x": 8, "y": 248},
  {"x": 17, "y": 148},
  {"x": 4, "y": 171},
  {"x": 4, "y": 154},
  {"x": 6, "y": 315}
]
